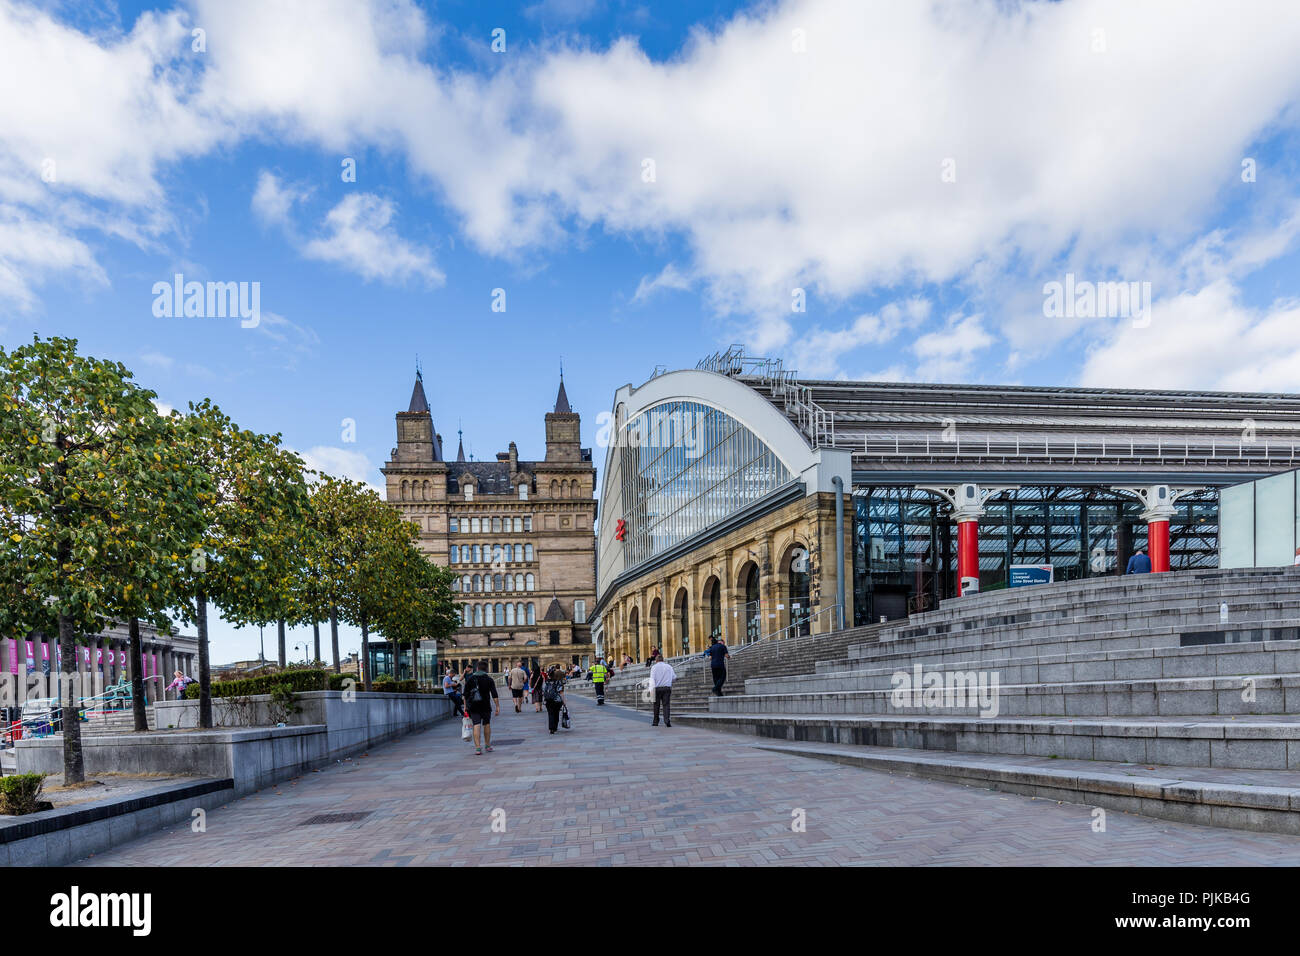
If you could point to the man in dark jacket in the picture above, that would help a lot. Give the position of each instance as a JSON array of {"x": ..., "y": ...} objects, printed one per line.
[
  {"x": 480, "y": 695},
  {"x": 717, "y": 654},
  {"x": 1139, "y": 563}
]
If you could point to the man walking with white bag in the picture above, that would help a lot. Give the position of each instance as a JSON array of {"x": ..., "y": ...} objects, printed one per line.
[{"x": 662, "y": 676}]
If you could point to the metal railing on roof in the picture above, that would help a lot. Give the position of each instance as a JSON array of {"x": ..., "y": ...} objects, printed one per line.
[
  {"x": 1019, "y": 450},
  {"x": 816, "y": 422}
]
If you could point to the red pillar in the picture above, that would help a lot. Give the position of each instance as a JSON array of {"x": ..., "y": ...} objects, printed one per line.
[
  {"x": 1158, "y": 544},
  {"x": 968, "y": 551}
]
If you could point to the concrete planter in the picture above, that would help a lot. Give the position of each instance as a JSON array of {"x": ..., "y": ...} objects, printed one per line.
[{"x": 327, "y": 729}]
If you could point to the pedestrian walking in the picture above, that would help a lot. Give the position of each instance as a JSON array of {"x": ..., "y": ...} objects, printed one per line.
[
  {"x": 518, "y": 678},
  {"x": 553, "y": 694},
  {"x": 718, "y": 657},
  {"x": 536, "y": 679},
  {"x": 599, "y": 673},
  {"x": 480, "y": 695},
  {"x": 662, "y": 676}
]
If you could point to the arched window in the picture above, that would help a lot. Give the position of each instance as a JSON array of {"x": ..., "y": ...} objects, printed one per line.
[
  {"x": 469, "y": 615},
  {"x": 454, "y": 552},
  {"x": 424, "y": 491},
  {"x": 510, "y": 615},
  {"x": 496, "y": 553},
  {"x": 499, "y": 615},
  {"x": 478, "y": 554},
  {"x": 555, "y": 488},
  {"x": 487, "y": 582},
  {"x": 530, "y": 583},
  {"x": 496, "y": 582},
  {"x": 478, "y": 615},
  {"x": 519, "y": 524},
  {"x": 519, "y": 613},
  {"x": 478, "y": 583},
  {"x": 403, "y": 491},
  {"x": 466, "y": 584},
  {"x": 532, "y": 616},
  {"x": 528, "y": 552},
  {"x": 455, "y": 584}
]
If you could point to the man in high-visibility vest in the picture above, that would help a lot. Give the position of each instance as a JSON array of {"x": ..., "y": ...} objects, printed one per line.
[{"x": 599, "y": 673}]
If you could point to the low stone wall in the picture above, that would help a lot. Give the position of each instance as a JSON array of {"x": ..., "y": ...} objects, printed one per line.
[
  {"x": 67, "y": 834},
  {"x": 328, "y": 728}
]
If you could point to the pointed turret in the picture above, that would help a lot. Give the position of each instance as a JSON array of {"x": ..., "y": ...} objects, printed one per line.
[
  {"x": 418, "y": 402},
  {"x": 562, "y": 406}
]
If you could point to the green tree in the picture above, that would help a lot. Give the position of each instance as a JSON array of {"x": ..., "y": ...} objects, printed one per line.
[
  {"x": 90, "y": 479},
  {"x": 246, "y": 561},
  {"x": 421, "y": 605}
]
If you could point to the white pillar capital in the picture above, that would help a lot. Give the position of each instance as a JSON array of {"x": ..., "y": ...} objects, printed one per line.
[
  {"x": 967, "y": 498},
  {"x": 1157, "y": 500}
]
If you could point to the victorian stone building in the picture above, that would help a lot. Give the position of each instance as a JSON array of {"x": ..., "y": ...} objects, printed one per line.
[{"x": 518, "y": 533}]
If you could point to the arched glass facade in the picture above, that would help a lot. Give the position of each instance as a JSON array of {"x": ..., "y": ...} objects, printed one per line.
[{"x": 684, "y": 467}]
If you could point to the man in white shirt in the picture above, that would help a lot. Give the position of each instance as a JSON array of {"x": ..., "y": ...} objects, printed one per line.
[{"x": 662, "y": 676}]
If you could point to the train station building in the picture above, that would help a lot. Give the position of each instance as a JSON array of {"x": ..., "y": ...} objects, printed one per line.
[{"x": 741, "y": 501}]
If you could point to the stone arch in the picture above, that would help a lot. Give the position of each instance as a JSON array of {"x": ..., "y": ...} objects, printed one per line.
[
  {"x": 681, "y": 622},
  {"x": 655, "y": 624},
  {"x": 634, "y": 632},
  {"x": 749, "y": 587},
  {"x": 794, "y": 586},
  {"x": 711, "y": 607}
]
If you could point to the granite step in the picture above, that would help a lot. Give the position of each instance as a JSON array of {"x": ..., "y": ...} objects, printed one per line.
[
  {"x": 1256, "y": 742},
  {"x": 1263, "y": 801}
]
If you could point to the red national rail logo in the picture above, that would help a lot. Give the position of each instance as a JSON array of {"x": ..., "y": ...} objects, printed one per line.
[{"x": 620, "y": 531}]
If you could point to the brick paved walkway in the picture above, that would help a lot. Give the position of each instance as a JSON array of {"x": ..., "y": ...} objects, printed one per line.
[{"x": 660, "y": 796}]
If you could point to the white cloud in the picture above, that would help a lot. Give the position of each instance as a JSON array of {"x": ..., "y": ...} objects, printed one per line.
[
  {"x": 273, "y": 201},
  {"x": 948, "y": 355},
  {"x": 817, "y": 169},
  {"x": 362, "y": 240},
  {"x": 1205, "y": 339},
  {"x": 818, "y": 353},
  {"x": 341, "y": 463},
  {"x": 157, "y": 360},
  {"x": 670, "y": 277}
]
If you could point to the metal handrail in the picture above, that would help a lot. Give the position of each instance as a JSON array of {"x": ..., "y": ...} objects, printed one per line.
[{"x": 791, "y": 630}]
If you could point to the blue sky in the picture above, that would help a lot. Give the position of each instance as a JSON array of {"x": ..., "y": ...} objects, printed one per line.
[{"x": 920, "y": 171}]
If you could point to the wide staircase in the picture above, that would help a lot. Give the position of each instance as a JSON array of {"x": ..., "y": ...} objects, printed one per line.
[{"x": 1139, "y": 693}]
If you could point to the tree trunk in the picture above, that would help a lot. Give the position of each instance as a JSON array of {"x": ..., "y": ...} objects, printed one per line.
[
  {"x": 334, "y": 637},
  {"x": 74, "y": 761},
  {"x": 365, "y": 653},
  {"x": 315, "y": 630},
  {"x": 205, "y": 668},
  {"x": 283, "y": 660},
  {"x": 137, "y": 676}
]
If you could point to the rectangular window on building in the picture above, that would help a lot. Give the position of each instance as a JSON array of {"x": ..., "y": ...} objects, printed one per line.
[
  {"x": 523, "y": 492},
  {"x": 579, "y": 612},
  {"x": 555, "y": 637},
  {"x": 528, "y": 523},
  {"x": 453, "y": 525}
]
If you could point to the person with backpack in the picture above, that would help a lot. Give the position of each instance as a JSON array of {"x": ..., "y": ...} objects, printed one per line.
[
  {"x": 599, "y": 674},
  {"x": 553, "y": 695},
  {"x": 480, "y": 694}
]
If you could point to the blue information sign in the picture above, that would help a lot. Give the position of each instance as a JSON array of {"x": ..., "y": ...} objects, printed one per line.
[{"x": 1022, "y": 574}]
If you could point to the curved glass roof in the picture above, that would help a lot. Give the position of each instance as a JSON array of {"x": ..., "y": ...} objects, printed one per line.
[{"x": 684, "y": 467}]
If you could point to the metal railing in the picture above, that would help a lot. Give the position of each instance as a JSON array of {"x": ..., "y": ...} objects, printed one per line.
[
  {"x": 802, "y": 627},
  {"x": 1225, "y": 452}
]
